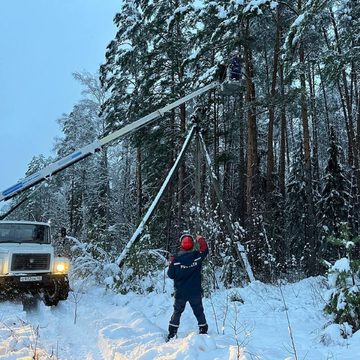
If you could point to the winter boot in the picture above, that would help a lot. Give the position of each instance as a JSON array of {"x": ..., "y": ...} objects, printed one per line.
[
  {"x": 172, "y": 332},
  {"x": 203, "y": 329}
]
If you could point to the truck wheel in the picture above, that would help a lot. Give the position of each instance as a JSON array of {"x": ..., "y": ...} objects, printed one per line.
[
  {"x": 56, "y": 291},
  {"x": 64, "y": 288},
  {"x": 51, "y": 294}
]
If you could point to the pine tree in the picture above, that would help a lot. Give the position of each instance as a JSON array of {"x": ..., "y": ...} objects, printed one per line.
[
  {"x": 296, "y": 218},
  {"x": 343, "y": 299},
  {"x": 333, "y": 207}
]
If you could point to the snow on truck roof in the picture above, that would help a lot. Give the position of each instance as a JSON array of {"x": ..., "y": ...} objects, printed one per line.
[{"x": 24, "y": 222}]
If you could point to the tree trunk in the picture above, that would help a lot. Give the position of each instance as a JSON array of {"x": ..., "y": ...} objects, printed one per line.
[
  {"x": 270, "y": 148},
  {"x": 325, "y": 101},
  {"x": 346, "y": 103},
  {"x": 181, "y": 171},
  {"x": 215, "y": 142},
  {"x": 139, "y": 189},
  {"x": 310, "y": 228},
  {"x": 252, "y": 153},
  {"x": 313, "y": 109},
  {"x": 282, "y": 162},
  {"x": 242, "y": 165}
]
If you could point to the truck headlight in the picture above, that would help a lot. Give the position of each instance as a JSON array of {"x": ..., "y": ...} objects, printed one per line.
[
  {"x": 61, "y": 265},
  {"x": 4, "y": 264}
]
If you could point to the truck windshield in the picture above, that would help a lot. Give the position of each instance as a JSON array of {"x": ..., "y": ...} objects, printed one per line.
[{"x": 24, "y": 233}]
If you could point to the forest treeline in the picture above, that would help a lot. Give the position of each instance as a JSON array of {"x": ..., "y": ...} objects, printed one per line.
[{"x": 285, "y": 146}]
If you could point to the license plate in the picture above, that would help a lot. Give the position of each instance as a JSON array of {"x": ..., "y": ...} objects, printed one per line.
[{"x": 30, "y": 278}]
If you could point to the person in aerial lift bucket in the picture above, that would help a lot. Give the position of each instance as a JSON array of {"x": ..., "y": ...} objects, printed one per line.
[
  {"x": 235, "y": 67},
  {"x": 185, "y": 270}
]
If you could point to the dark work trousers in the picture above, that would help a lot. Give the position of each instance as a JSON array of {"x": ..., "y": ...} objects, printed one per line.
[
  {"x": 196, "y": 305},
  {"x": 235, "y": 74}
]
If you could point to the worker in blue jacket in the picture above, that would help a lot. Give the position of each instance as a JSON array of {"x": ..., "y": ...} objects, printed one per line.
[
  {"x": 185, "y": 270},
  {"x": 235, "y": 67}
]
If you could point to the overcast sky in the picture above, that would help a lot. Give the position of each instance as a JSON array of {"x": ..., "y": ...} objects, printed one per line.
[{"x": 42, "y": 42}]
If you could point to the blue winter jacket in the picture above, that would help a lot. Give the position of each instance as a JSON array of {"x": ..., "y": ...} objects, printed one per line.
[{"x": 185, "y": 270}]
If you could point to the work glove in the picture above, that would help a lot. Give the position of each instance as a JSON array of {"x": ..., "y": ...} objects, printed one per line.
[
  {"x": 171, "y": 259},
  {"x": 202, "y": 243}
]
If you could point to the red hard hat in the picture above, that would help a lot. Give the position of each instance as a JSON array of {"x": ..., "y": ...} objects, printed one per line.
[{"x": 186, "y": 242}]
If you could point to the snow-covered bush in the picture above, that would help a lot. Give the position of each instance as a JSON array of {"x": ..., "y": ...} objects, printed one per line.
[
  {"x": 91, "y": 262},
  {"x": 334, "y": 334},
  {"x": 143, "y": 269},
  {"x": 235, "y": 296},
  {"x": 343, "y": 300}
]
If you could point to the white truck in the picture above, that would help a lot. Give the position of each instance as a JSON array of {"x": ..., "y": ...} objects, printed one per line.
[{"x": 28, "y": 264}]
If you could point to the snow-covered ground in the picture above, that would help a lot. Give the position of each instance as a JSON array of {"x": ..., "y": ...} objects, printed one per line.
[{"x": 246, "y": 323}]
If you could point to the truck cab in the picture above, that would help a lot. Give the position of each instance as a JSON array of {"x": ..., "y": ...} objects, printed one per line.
[{"x": 28, "y": 264}]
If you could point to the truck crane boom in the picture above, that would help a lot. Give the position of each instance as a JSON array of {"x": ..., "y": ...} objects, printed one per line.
[{"x": 96, "y": 145}]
